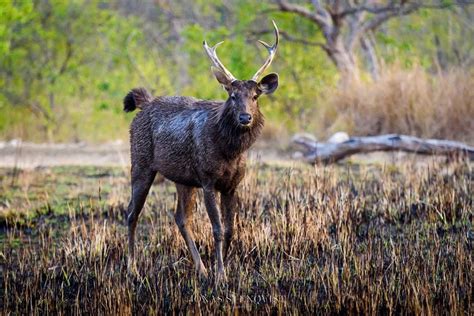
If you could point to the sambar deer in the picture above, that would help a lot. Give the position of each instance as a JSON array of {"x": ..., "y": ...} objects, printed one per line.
[{"x": 197, "y": 144}]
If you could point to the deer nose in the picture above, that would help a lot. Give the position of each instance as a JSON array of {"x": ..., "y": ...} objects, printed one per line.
[{"x": 245, "y": 118}]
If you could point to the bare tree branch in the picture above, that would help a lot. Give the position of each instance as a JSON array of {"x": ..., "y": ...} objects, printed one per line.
[
  {"x": 399, "y": 5},
  {"x": 291, "y": 38},
  {"x": 334, "y": 151},
  {"x": 303, "y": 12},
  {"x": 381, "y": 18},
  {"x": 374, "y": 9},
  {"x": 320, "y": 10}
]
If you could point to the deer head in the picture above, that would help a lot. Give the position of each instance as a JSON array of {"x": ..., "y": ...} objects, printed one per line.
[{"x": 243, "y": 94}]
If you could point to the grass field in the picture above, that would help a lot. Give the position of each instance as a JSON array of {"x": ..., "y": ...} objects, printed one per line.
[{"x": 353, "y": 238}]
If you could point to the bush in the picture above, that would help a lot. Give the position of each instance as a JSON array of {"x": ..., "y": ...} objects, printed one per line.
[{"x": 411, "y": 102}]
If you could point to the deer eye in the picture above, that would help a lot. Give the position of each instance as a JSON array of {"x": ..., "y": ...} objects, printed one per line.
[
  {"x": 232, "y": 97},
  {"x": 255, "y": 97}
]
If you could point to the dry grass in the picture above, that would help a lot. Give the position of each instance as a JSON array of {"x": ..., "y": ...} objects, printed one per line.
[
  {"x": 358, "y": 239},
  {"x": 410, "y": 102}
]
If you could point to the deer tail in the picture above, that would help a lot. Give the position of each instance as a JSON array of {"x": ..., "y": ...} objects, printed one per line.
[{"x": 137, "y": 98}]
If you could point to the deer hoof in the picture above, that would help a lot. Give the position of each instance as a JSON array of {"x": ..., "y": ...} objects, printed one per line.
[
  {"x": 221, "y": 277},
  {"x": 202, "y": 272},
  {"x": 132, "y": 267}
]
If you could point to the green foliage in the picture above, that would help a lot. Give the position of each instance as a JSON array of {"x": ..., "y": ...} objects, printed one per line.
[
  {"x": 52, "y": 56},
  {"x": 412, "y": 40},
  {"x": 66, "y": 65}
]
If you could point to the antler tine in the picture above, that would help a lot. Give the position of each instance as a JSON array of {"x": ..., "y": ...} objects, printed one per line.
[
  {"x": 212, "y": 54},
  {"x": 271, "y": 50}
]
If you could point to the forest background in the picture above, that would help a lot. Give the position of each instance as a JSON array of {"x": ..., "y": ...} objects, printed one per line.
[{"x": 65, "y": 66}]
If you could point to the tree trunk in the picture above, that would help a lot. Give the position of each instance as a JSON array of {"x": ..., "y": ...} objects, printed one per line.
[
  {"x": 344, "y": 61},
  {"x": 340, "y": 147},
  {"x": 368, "y": 48}
]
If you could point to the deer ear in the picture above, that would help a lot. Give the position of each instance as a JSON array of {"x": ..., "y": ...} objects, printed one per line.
[
  {"x": 221, "y": 77},
  {"x": 268, "y": 84}
]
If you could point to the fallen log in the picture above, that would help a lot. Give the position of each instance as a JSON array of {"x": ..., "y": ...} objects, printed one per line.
[{"x": 340, "y": 146}]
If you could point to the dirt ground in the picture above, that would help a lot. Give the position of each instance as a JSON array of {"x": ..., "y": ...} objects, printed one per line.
[
  {"x": 25, "y": 155},
  {"x": 28, "y": 155}
]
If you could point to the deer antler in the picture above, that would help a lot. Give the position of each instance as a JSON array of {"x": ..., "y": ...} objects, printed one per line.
[
  {"x": 271, "y": 50},
  {"x": 211, "y": 52}
]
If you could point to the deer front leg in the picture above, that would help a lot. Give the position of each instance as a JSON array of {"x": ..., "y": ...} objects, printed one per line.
[
  {"x": 228, "y": 206},
  {"x": 215, "y": 217}
]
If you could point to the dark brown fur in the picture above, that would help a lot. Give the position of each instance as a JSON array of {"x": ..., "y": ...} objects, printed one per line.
[{"x": 196, "y": 144}]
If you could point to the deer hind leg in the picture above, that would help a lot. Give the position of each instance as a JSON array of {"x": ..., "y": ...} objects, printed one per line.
[
  {"x": 184, "y": 212},
  {"x": 142, "y": 180}
]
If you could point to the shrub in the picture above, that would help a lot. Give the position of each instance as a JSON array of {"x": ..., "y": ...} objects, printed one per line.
[{"x": 411, "y": 102}]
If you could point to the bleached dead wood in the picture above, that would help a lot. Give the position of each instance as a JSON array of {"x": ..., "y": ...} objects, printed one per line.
[{"x": 343, "y": 146}]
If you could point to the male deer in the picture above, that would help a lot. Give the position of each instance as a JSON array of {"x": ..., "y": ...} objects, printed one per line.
[{"x": 197, "y": 144}]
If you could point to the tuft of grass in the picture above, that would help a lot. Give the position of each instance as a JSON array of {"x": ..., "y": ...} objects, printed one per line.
[
  {"x": 339, "y": 239},
  {"x": 411, "y": 102}
]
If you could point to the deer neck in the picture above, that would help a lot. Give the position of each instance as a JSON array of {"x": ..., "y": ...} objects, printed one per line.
[{"x": 232, "y": 139}]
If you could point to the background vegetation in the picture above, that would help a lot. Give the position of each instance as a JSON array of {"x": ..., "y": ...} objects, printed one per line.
[{"x": 66, "y": 66}]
